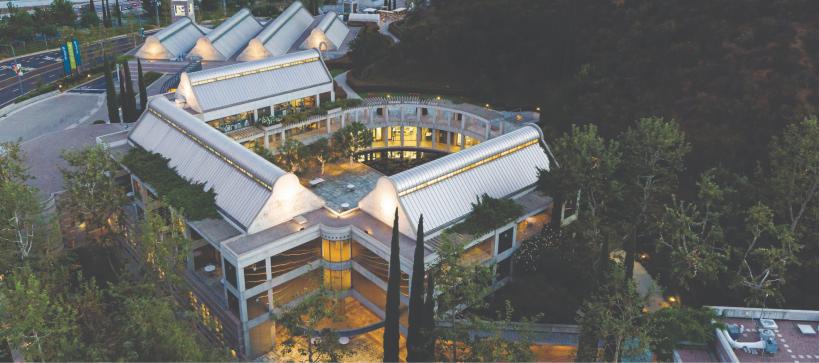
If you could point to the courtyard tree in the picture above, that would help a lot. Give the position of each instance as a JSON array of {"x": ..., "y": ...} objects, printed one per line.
[
  {"x": 291, "y": 155},
  {"x": 92, "y": 198},
  {"x": 320, "y": 150},
  {"x": 351, "y": 139},
  {"x": 672, "y": 326},
  {"x": 305, "y": 334},
  {"x": 653, "y": 157},
  {"x": 24, "y": 230},
  {"x": 12, "y": 163},
  {"x": 415, "y": 339},
  {"x": 392, "y": 312}
]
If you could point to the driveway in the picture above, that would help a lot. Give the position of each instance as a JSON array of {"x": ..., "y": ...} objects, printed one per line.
[{"x": 61, "y": 112}]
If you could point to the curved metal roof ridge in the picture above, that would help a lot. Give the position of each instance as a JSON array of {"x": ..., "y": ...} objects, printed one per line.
[
  {"x": 204, "y": 75},
  {"x": 437, "y": 168},
  {"x": 327, "y": 21},
  {"x": 271, "y": 28},
  {"x": 230, "y": 23},
  {"x": 243, "y": 158},
  {"x": 174, "y": 28}
]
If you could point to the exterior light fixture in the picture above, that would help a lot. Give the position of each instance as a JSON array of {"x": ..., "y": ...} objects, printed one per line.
[
  {"x": 672, "y": 299},
  {"x": 537, "y": 108},
  {"x": 486, "y": 105},
  {"x": 438, "y": 98}
]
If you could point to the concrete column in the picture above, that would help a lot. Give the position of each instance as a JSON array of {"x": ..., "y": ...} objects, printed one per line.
[
  {"x": 418, "y": 136},
  {"x": 488, "y": 128},
  {"x": 267, "y": 139},
  {"x": 401, "y": 115},
  {"x": 448, "y": 141},
  {"x": 401, "y": 129},
  {"x": 283, "y": 137},
  {"x": 357, "y": 112},
  {"x": 385, "y": 134},
  {"x": 387, "y": 114},
  {"x": 463, "y": 123},
  {"x": 434, "y": 138},
  {"x": 255, "y": 115},
  {"x": 451, "y": 117},
  {"x": 318, "y": 100},
  {"x": 333, "y": 94},
  {"x": 418, "y": 115}
]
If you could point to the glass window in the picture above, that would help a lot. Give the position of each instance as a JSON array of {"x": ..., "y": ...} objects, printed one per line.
[
  {"x": 505, "y": 240},
  {"x": 233, "y": 303},
  {"x": 257, "y": 305},
  {"x": 294, "y": 258},
  {"x": 230, "y": 274},
  {"x": 255, "y": 274},
  {"x": 504, "y": 269}
]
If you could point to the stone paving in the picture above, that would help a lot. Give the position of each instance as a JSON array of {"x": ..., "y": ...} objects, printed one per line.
[{"x": 334, "y": 189}]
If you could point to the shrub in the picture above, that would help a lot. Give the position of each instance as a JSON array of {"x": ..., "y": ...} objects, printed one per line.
[{"x": 488, "y": 214}]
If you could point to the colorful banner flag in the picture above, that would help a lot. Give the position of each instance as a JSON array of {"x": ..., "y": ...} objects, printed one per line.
[
  {"x": 71, "y": 58},
  {"x": 66, "y": 62},
  {"x": 77, "y": 52}
]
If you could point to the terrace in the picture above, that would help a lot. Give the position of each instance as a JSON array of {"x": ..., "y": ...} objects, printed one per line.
[{"x": 344, "y": 184}]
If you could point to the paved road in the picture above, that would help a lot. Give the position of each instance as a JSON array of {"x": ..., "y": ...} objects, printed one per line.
[
  {"x": 43, "y": 68},
  {"x": 40, "y": 118}
]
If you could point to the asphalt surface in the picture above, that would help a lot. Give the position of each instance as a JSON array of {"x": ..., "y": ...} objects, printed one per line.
[
  {"x": 40, "y": 118},
  {"x": 44, "y": 68}
]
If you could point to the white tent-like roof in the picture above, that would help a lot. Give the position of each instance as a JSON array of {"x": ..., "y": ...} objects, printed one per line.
[
  {"x": 172, "y": 42},
  {"x": 228, "y": 38},
  {"x": 250, "y": 192},
  {"x": 268, "y": 79},
  {"x": 279, "y": 35},
  {"x": 443, "y": 190},
  {"x": 331, "y": 30}
]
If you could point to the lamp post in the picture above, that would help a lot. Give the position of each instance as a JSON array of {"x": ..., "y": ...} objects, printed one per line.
[{"x": 14, "y": 56}]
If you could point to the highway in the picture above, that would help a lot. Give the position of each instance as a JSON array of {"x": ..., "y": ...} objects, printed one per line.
[{"x": 46, "y": 67}]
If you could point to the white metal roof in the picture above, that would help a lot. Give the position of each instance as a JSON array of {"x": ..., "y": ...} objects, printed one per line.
[
  {"x": 228, "y": 38},
  {"x": 364, "y": 18},
  {"x": 242, "y": 180},
  {"x": 279, "y": 34},
  {"x": 443, "y": 190},
  {"x": 173, "y": 41},
  {"x": 330, "y": 29},
  {"x": 244, "y": 82}
]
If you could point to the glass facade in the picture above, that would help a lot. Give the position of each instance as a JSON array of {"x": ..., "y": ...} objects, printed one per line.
[
  {"x": 294, "y": 258},
  {"x": 505, "y": 240},
  {"x": 230, "y": 274},
  {"x": 336, "y": 251},
  {"x": 255, "y": 274},
  {"x": 233, "y": 122},
  {"x": 258, "y": 305}
]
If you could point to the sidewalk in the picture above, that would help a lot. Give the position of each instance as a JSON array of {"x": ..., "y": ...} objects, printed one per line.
[{"x": 341, "y": 80}]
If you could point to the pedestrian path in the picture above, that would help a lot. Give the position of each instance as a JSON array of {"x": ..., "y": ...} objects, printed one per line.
[{"x": 341, "y": 81}]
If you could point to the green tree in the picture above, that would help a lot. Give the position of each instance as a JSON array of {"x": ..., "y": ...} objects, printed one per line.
[
  {"x": 89, "y": 18},
  {"x": 40, "y": 325},
  {"x": 118, "y": 12},
  {"x": 672, "y": 326},
  {"x": 461, "y": 285},
  {"x": 691, "y": 238},
  {"x": 91, "y": 195},
  {"x": 291, "y": 155},
  {"x": 494, "y": 347},
  {"x": 416, "y": 344},
  {"x": 164, "y": 245},
  {"x": 367, "y": 48},
  {"x": 129, "y": 98},
  {"x": 24, "y": 230},
  {"x": 106, "y": 14},
  {"x": 615, "y": 312},
  {"x": 143, "y": 92},
  {"x": 392, "y": 312},
  {"x": 653, "y": 157},
  {"x": 111, "y": 95},
  {"x": 428, "y": 329},
  {"x": 303, "y": 323},
  {"x": 351, "y": 139},
  {"x": 320, "y": 150},
  {"x": 62, "y": 13},
  {"x": 12, "y": 163}
]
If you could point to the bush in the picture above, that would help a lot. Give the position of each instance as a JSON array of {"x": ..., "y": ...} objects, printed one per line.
[
  {"x": 191, "y": 199},
  {"x": 98, "y": 122},
  {"x": 488, "y": 214}
]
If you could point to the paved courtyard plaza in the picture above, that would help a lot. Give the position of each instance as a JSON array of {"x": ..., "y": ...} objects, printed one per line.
[{"x": 338, "y": 178}]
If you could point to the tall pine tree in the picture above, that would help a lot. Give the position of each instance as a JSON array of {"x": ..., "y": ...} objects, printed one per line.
[
  {"x": 415, "y": 344},
  {"x": 143, "y": 93},
  {"x": 106, "y": 16},
  {"x": 111, "y": 95},
  {"x": 391, "y": 328}
]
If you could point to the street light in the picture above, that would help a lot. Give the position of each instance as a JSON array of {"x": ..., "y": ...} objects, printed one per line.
[{"x": 14, "y": 55}]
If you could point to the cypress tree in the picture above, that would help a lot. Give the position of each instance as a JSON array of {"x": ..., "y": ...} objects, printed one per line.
[
  {"x": 428, "y": 329},
  {"x": 129, "y": 92},
  {"x": 118, "y": 11},
  {"x": 110, "y": 95},
  {"x": 106, "y": 16},
  {"x": 123, "y": 101},
  {"x": 143, "y": 93},
  {"x": 391, "y": 329},
  {"x": 415, "y": 346}
]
